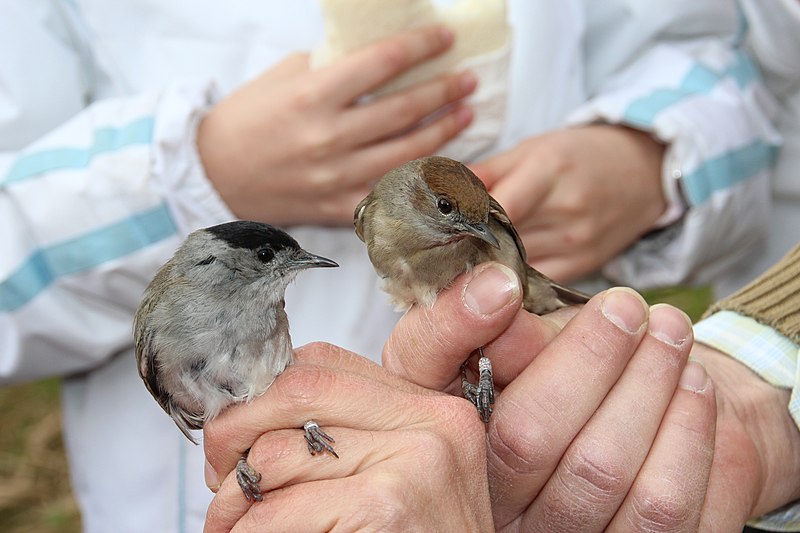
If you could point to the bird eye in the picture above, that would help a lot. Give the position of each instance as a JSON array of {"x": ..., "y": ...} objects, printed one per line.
[
  {"x": 444, "y": 205},
  {"x": 265, "y": 255}
]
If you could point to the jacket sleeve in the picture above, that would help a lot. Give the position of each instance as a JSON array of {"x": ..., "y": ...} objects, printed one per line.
[
  {"x": 679, "y": 71},
  {"x": 90, "y": 208}
]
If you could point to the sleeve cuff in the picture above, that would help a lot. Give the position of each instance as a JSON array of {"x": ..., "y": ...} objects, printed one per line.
[
  {"x": 762, "y": 349},
  {"x": 194, "y": 202}
]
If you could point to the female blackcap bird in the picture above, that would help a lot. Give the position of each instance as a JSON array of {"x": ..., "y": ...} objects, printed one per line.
[
  {"x": 211, "y": 329},
  {"x": 431, "y": 219}
]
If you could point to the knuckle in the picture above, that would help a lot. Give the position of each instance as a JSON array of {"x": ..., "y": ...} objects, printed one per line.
[
  {"x": 302, "y": 385},
  {"x": 410, "y": 106},
  {"x": 219, "y": 513},
  {"x": 595, "y": 474},
  {"x": 431, "y": 448},
  {"x": 320, "y": 350},
  {"x": 581, "y": 234},
  {"x": 213, "y": 435},
  {"x": 271, "y": 448},
  {"x": 388, "y": 504},
  {"x": 461, "y": 416},
  {"x": 307, "y": 97},
  {"x": 430, "y": 137},
  {"x": 661, "y": 510},
  {"x": 519, "y": 441},
  {"x": 319, "y": 143},
  {"x": 396, "y": 54},
  {"x": 453, "y": 88},
  {"x": 326, "y": 179},
  {"x": 577, "y": 202}
]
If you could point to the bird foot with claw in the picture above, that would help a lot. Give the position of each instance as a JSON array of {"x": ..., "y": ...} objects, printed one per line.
[
  {"x": 482, "y": 394},
  {"x": 317, "y": 440},
  {"x": 248, "y": 480}
]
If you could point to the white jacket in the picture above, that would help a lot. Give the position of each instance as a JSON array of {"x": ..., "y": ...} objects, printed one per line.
[{"x": 100, "y": 181}]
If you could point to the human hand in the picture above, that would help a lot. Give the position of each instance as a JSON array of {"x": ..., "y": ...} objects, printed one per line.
[
  {"x": 296, "y": 146},
  {"x": 390, "y": 435},
  {"x": 578, "y": 196},
  {"x": 752, "y": 455},
  {"x": 597, "y": 426},
  {"x": 756, "y": 466}
]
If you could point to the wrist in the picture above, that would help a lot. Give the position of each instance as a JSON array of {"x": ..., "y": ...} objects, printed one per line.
[
  {"x": 220, "y": 159},
  {"x": 753, "y": 416}
]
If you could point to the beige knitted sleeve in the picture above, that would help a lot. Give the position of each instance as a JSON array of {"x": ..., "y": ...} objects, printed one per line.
[{"x": 773, "y": 299}]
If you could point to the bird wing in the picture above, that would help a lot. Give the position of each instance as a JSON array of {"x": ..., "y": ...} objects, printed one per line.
[
  {"x": 566, "y": 295},
  {"x": 497, "y": 212},
  {"x": 147, "y": 364},
  {"x": 148, "y": 370}
]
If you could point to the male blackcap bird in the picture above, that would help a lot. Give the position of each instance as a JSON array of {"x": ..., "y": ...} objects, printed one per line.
[
  {"x": 211, "y": 329},
  {"x": 431, "y": 219}
]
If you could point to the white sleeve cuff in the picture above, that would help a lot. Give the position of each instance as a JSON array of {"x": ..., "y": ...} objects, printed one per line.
[{"x": 193, "y": 201}]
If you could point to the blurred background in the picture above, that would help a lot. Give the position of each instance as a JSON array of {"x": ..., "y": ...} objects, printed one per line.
[{"x": 35, "y": 493}]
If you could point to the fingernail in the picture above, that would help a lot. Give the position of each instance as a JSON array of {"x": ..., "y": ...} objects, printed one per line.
[
  {"x": 446, "y": 35},
  {"x": 464, "y": 115},
  {"x": 625, "y": 308},
  {"x": 212, "y": 480},
  {"x": 693, "y": 377},
  {"x": 491, "y": 289},
  {"x": 468, "y": 82},
  {"x": 669, "y": 325}
]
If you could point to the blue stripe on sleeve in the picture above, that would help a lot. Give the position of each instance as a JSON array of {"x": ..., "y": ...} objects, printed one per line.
[
  {"x": 699, "y": 80},
  {"x": 643, "y": 111},
  {"x": 725, "y": 170},
  {"x": 744, "y": 70},
  {"x": 82, "y": 253},
  {"x": 105, "y": 140},
  {"x": 730, "y": 168}
]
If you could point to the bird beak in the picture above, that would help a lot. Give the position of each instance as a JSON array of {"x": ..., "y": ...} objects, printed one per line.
[
  {"x": 482, "y": 231},
  {"x": 308, "y": 260}
]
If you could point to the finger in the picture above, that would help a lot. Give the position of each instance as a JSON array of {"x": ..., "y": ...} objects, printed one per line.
[
  {"x": 283, "y": 459},
  {"x": 493, "y": 169},
  {"x": 334, "y": 357},
  {"x": 523, "y": 190},
  {"x": 400, "y": 111},
  {"x": 564, "y": 268},
  {"x": 306, "y": 392},
  {"x": 539, "y": 414},
  {"x": 368, "y": 68},
  {"x": 292, "y": 65},
  {"x": 429, "y": 345},
  {"x": 326, "y": 505},
  {"x": 669, "y": 491},
  {"x": 337, "y": 209},
  {"x": 380, "y": 157},
  {"x": 597, "y": 470}
]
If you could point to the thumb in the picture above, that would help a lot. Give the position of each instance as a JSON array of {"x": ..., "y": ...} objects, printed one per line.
[{"x": 429, "y": 344}]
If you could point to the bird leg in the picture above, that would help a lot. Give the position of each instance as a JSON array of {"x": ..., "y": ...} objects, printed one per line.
[
  {"x": 316, "y": 439},
  {"x": 482, "y": 394},
  {"x": 248, "y": 479}
]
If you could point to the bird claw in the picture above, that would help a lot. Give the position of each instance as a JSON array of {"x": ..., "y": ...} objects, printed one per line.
[
  {"x": 248, "y": 480},
  {"x": 317, "y": 439},
  {"x": 482, "y": 394}
]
